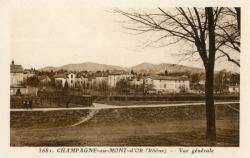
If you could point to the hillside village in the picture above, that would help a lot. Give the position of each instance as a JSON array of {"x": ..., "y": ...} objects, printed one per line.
[{"x": 30, "y": 81}]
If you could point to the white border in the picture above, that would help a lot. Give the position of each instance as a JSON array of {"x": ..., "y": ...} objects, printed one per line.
[{"x": 220, "y": 152}]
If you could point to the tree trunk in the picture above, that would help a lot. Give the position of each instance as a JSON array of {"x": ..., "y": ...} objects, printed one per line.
[
  {"x": 210, "y": 109},
  {"x": 238, "y": 15},
  {"x": 209, "y": 86}
]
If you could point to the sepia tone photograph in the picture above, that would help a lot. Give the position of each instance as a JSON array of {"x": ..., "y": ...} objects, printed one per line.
[{"x": 124, "y": 76}]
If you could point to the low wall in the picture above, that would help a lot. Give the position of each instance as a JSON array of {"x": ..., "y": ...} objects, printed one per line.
[
  {"x": 24, "y": 90},
  {"x": 51, "y": 101}
]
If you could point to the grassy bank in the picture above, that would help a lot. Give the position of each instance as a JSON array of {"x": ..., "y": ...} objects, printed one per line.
[{"x": 165, "y": 126}]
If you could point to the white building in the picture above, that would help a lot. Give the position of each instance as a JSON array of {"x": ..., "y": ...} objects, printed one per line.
[
  {"x": 136, "y": 81},
  {"x": 169, "y": 84},
  {"x": 81, "y": 81},
  {"x": 113, "y": 78},
  {"x": 71, "y": 79},
  {"x": 61, "y": 79},
  {"x": 16, "y": 74},
  {"x": 101, "y": 78},
  {"x": 16, "y": 82},
  {"x": 234, "y": 88}
]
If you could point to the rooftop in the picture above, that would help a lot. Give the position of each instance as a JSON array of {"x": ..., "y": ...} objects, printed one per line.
[
  {"x": 16, "y": 68},
  {"x": 169, "y": 77},
  {"x": 64, "y": 75},
  {"x": 101, "y": 75}
]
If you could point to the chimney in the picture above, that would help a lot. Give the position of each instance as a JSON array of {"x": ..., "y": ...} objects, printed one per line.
[{"x": 12, "y": 62}]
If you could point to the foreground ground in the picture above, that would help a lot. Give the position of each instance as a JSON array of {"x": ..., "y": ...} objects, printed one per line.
[{"x": 158, "y": 126}]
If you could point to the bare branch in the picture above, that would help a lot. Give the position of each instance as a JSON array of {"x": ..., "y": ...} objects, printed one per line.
[
  {"x": 186, "y": 25},
  {"x": 229, "y": 58}
]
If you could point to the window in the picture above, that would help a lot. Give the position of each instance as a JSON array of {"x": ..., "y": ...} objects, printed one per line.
[
  {"x": 71, "y": 81},
  {"x": 71, "y": 76}
]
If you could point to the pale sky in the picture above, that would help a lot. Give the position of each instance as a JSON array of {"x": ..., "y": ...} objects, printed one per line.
[{"x": 65, "y": 32}]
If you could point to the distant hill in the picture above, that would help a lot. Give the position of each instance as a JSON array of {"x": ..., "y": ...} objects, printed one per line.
[
  {"x": 143, "y": 67},
  {"x": 48, "y": 68},
  {"x": 88, "y": 66},
  {"x": 158, "y": 68}
]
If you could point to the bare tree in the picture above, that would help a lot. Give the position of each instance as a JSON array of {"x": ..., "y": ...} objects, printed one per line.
[
  {"x": 206, "y": 30},
  {"x": 228, "y": 34}
]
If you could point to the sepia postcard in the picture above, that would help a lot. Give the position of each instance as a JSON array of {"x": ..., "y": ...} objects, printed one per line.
[{"x": 124, "y": 78}]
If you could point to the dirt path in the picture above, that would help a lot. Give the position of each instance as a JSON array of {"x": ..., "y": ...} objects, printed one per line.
[{"x": 86, "y": 118}]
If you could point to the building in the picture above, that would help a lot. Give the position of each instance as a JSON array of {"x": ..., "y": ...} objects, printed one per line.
[
  {"x": 65, "y": 78},
  {"x": 28, "y": 73},
  {"x": 17, "y": 86},
  {"x": 170, "y": 84},
  {"x": 60, "y": 80},
  {"x": 16, "y": 74},
  {"x": 91, "y": 82},
  {"x": 101, "y": 78},
  {"x": 136, "y": 81},
  {"x": 16, "y": 80},
  {"x": 148, "y": 81},
  {"x": 71, "y": 79},
  {"x": 233, "y": 88},
  {"x": 81, "y": 81},
  {"x": 113, "y": 78}
]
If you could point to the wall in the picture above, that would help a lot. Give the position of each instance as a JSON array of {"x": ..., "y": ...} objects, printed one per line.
[
  {"x": 16, "y": 78},
  {"x": 60, "y": 81},
  {"x": 48, "y": 100},
  {"x": 23, "y": 90},
  {"x": 71, "y": 80}
]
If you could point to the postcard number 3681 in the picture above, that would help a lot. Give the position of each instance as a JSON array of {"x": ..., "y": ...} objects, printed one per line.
[{"x": 45, "y": 150}]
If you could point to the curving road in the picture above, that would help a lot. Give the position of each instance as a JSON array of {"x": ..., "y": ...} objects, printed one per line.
[{"x": 97, "y": 106}]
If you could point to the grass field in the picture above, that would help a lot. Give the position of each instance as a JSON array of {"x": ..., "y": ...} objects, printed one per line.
[{"x": 164, "y": 126}]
